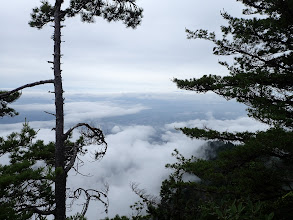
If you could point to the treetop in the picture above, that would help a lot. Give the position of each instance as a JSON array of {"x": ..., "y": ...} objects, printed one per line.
[{"x": 114, "y": 10}]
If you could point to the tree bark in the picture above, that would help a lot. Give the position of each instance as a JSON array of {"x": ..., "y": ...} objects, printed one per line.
[{"x": 60, "y": 183}]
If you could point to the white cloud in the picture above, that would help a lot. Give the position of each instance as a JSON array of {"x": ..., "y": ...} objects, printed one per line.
[
  {"x": 239, "y": 124},
  {"x": 136, "y": 153},
  {"x": 134, "y": 156},
  {"x": 35, "y": 107},
  {"x": 81, "y": 111},
  {"x": 44, "y": 129},
  {"x": 75, "y": 112}
]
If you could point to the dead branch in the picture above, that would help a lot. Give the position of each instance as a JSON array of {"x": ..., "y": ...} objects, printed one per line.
[
  {"x": 50, "y": 113},
  {"x": 142, "y": 193},
  {"x": 97, "y": 132},
  {"x": 72, "y": 159},
  {"x": 3, "y": 95},
  {"x": 92, "y": 135},
  {"x": 91, "y": 194}
]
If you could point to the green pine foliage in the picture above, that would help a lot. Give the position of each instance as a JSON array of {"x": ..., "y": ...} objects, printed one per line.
[
  {"x": 4, "y": 109},
  {"x": 114, "y": 10},
  {"x": 27, "y": 177},
  {"x": 261, "y": 75},
  {"x": 76, "y": 217},
  {"x": 252, "y": 178},
  {"x": 231, "y": 185},
  {"x": 118, "y": 217}
]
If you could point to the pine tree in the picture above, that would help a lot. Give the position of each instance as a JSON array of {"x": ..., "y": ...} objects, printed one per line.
[
  {"x": 260, "y": 167},
  {"x": 115, "y": 10},
  {"x": 261, "y": 75},
  {"x": 252, "y": 179}
]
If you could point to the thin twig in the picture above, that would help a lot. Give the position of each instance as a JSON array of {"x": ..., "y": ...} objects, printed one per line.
[{"x": 50, "y": 113}]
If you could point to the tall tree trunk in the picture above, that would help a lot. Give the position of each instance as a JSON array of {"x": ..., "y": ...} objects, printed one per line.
[{"x": 60, "y": 183}]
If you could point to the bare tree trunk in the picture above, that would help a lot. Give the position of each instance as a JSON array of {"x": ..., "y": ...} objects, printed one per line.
[{"x": 60, "y": 183}]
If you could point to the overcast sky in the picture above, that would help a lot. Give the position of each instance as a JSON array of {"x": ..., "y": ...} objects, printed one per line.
[{"x": 107, "y": 57}]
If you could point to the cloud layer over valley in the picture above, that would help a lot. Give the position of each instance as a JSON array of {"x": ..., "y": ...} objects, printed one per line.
[{"x": 141, "y": 136}]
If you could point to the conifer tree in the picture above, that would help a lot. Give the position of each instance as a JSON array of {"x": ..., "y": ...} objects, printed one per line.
[
  {"x": 114, "y": 10},
  {"x": 252, "y": 179},
  {"x": 259, "y": 168},
  {"x": 261, "y": 74}
]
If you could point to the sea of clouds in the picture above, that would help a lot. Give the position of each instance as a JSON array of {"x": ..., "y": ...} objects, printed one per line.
[{"x": 141, "y": 134}]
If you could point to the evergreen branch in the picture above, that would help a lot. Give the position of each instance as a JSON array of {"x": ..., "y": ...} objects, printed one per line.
[
  {"x": 225, "y": 45},
  {"x": 3, "y": 95},
  {"x": 42, "y": 15},
  {"x": 36, "y": 209},
  {"x": 210, "y": 189},
  {"x": 209, "y": 134},
  {"x": 270, "y": 63},
  {"x": 43, "y": 212},
  {"x": 273, "y": 40}
]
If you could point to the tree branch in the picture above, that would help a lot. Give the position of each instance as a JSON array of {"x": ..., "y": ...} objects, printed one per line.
[
  {"x": 97, "y": 133},
  {"x": 36, "y": 210},
  {"x": 92, "y": 136},
  {"x": 142, "y": 193},
  {"x": 3, "y": 95},
  {"x": 90, "y": 194},
  {"x": 71, "y": 129},
  {"x": 209, "y": 134},
  {"x": 270, "y": 63},
  {"x": 72, "y": 160},
  {"x": 43, "y": 212}
]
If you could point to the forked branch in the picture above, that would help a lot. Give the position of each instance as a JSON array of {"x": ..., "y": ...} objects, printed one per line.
[
  {"x": 91, "y": 194},
  {"x": 91, "y": 135},
  {"x": 96, "y": 132}
]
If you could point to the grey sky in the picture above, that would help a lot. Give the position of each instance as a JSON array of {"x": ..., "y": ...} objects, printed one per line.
[
  {"x": 108, "y": 57},
  {"x": 105, "y": 57}
]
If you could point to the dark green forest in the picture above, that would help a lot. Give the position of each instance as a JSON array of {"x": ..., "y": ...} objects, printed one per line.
[{"x": 246, "y": 175}]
